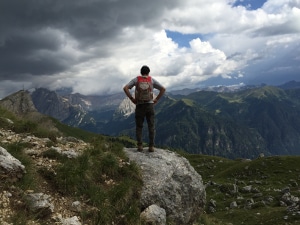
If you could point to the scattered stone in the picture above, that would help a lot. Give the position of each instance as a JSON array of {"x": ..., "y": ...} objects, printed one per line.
[
  {"x": 211, "y": 209},
  {"x": 285, "y": 190},
  {"x": 71, "y": 221},
  {"x": 58, "y": 219},
  {"x": 247, "y": 189},
  {"x": 289, "y": 199},
  {"x": 213, "y": 203},
  {"x": 233, "y": 205},
  {"x": 76, "y": 206},
  {"x": 40, "y": 204},
  {"x": 153, "y": 215},
  {"x": 249, "y": 203}
]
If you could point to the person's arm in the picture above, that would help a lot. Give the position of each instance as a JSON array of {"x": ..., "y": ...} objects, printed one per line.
[
  {"x": 162, "y": 90},
  {"x": 127, "y": 92}
]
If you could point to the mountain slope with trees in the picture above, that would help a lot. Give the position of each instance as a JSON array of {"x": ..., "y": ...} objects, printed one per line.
[
  {"x": 234, "y": 124},
  {"x": 271, "y": 111}
]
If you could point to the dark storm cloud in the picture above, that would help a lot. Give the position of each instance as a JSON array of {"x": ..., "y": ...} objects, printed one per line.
[
  {"x": 280, "y": 29},
  {"x": 82, "y": 19},
  {"x": 29, "y": 27},
  {"x": 284, "y": 67},
  {"x": 20, "y": 55}
]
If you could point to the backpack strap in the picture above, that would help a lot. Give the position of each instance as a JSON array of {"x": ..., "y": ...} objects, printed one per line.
[{"x": 144, "y": 79}]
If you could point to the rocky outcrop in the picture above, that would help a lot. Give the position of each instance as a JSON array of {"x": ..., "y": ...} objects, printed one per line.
[
  {"x": 171, "y": 183},
  {"x": 19, "y": 103}
]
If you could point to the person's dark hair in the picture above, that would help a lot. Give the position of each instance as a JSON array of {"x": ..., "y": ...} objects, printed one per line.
[{"x": 145, "y": 70}]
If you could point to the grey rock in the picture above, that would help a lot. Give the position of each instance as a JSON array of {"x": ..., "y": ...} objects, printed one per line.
[
  {"x": 40, "y": 204},
  {"x": 213, "y": 203},
  {"x": 171, "y": 183},
  {"x": 211, "y": 209},
  {"x": 71, "y": 153},
  {"x": 233, "y": 205},
  {"x": 294, "y": 208},
  {"x": 249, "y": 203},
  {"x": 71, "y": 221},
  {"x": 10, "y": 168},
  {"x": 58, "y": 219},
  {"x": 289, "y": 199},
  {"x": 76, "y": 206},
  {"x": 285, "y": 190},
  {"x": 247, "y": 189},
  {"x": 153, "y": 215}
]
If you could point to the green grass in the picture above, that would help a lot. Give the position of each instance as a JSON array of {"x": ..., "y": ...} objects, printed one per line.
[
  {"x": 188, "y": 102},
  {"x": 102, "y": 176},
  {"x": 85, "y": 178},
  {"x": 89, "y": 175},
  {"x": 268, "y": 175},
  {"x": 30, "y": 180}
]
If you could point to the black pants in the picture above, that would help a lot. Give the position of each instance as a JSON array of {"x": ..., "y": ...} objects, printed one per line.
[{"x": 142, "y": 111}]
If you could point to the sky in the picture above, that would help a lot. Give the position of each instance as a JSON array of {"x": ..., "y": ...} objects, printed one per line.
[{"x": 96, "y": 47}]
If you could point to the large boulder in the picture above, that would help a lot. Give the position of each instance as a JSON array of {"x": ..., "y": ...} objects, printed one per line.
[
  {"x": 171, "y": 183},
  {"x": 11, "y": 169}
]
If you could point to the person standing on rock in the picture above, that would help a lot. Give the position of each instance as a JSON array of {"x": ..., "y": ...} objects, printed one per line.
[{"x": 144, "y": 101}]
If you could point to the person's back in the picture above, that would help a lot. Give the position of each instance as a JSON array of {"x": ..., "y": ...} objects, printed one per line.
[
  {"x": 144, "y": 102},
  {"x": 144, "y": 89}
]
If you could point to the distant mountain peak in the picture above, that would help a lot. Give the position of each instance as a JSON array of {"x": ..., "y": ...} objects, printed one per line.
[
  {"x": 290, "y": 85},
  {"x": 19, "y": 103},
  {"x": 125, "y": 109}
]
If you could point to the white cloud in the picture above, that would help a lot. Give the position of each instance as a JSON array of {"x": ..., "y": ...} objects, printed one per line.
[{"x": 103, "y": 48}]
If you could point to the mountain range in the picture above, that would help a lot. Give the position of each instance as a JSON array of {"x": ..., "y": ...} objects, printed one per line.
[{"x": 229, "y": 122}]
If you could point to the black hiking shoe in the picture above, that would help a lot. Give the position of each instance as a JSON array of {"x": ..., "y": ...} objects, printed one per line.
[
  {"x": 140, "y": 148},
  {"x": 151, "y": 149}
]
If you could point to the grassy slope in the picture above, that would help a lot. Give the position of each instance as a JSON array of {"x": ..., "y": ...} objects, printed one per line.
[
  {"x": 268, "y": 175},
  {"x": 81, "y": 178}
]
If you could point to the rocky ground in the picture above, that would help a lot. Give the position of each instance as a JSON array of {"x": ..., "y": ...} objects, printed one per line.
[{"x": 60, "y": 209}]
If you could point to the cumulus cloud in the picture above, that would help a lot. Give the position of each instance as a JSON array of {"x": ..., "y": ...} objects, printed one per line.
[{"x": 96, "y": 46}]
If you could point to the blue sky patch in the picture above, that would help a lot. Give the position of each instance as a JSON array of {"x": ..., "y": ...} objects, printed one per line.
[
  {"x": 250, "y": 4},
  {"x": 183, "y": 39}
]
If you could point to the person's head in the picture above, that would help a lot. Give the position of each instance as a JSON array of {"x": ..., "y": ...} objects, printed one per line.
[{"x": 145, "y": 70}]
